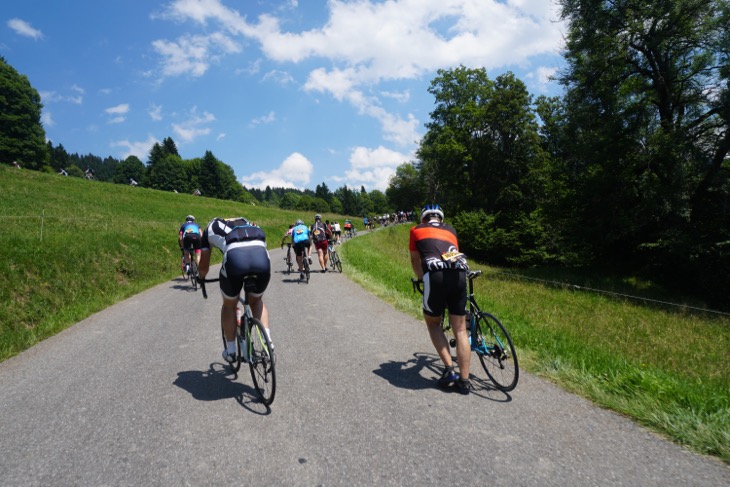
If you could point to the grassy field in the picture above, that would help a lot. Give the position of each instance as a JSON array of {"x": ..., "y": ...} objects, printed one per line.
[
  {"x": 667, "y": 369},
  {"x": 73, "y": 247}
]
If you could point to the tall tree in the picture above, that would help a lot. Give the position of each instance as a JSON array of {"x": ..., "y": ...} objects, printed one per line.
[
  {"x": 22, "y": 137},
  {"x": 649, "y": 112}
]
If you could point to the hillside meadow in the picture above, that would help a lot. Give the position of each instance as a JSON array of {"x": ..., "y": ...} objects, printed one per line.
[{"x": 74, "y": 247}]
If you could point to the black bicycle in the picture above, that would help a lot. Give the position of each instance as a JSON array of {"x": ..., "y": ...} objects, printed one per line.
[
  {"x": 488, "y": 338},
  {"x": 305, "y": 264},
  {"x": 190, "y": 269},
  {"x": 334, "y": 257},
  {"x": 288, "y": 259},
  {"x": 252, "y": 346}
]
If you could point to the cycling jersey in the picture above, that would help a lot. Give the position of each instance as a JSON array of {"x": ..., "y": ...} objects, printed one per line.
[
  {"x": 300, "y": 233},
  {"x": 189, "y": 227},
  {"x": 438, "y": 246}
]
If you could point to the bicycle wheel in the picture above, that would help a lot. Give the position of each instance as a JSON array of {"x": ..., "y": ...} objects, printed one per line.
[
  {"x": 194, "y": 274},
  {"x": 338, "y": 262},
  {"x": 496, "y": 352},
  {"x": 305, "y": 263},
  {"x": 236, "y": 364},
  {"x": 261, "y": 362},
  {"x": 289, "y": 264},
  {"x": 184, "y": 274}
]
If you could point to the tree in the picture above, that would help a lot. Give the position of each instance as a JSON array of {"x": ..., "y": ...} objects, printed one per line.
[
  {"x": 169, "y": 147},
  {"x": 649, "y": 117},
  {"x": 406, "y": 188},
  {"x": 131, "y": 167},
  {"x": 22, "y": 137},
  {"x": 380, "y": 202},
  {"x": 322, "y": 191},
  {"x": 168, "y": 174}
]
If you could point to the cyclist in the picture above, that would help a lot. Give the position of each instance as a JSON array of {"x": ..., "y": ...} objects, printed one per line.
[
  {"x": 302, "y": 249},
  {"x": 286, "y": 239},
  {"x": 436, "y": 259},
  {"x": 337, "y": 231},
  {"x": 320, "y": 235},
  {"x": 189, "y": 235},
  {"x": 244, "y": 253}
]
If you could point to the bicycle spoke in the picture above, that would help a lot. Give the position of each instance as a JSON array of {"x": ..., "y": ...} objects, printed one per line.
[{"x": 496, "y": 352}]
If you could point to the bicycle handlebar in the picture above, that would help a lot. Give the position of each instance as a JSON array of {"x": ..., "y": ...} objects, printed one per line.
[{"x": 202, "y": 282}]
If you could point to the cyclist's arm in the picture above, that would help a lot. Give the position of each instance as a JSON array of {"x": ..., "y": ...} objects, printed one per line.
[
  {"x": 204, "y": 263},
  {"x": 416, "y": 264}
]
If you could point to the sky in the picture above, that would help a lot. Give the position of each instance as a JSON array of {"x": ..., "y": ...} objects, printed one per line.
[{"x": 289, "y": 93}]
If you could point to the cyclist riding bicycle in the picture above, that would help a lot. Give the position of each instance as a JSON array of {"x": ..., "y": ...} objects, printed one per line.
[
  {"x": 243, "y": 245},
  {"x": 435, "y": 258},
  {"x": 189, "y": 236},
  {"x": 301, "y": 239},
  {"x": 320, "y": 235}
]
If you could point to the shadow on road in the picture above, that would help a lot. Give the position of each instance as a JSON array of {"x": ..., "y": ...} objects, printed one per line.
[
  {"x": 219, "y": 383},
  {"x": 408, "y": 375}
]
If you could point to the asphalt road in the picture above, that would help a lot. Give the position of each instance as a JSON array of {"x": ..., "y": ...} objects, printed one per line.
[{"x": 138, "y": 395}]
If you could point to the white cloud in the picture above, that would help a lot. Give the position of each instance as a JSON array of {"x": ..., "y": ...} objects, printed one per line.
[
  {"x": 294, "y": 172},
  {"x": 119, "y": 111},
  {"x": 193, "y": 54},
  {"x": 23, "y": 28},
  {"x": 281, "y": 78},
  {"x": 155, "y": 112},
  {"x": 372, "y": 168},
  {"x": 54, "y": 97},
  {"x": 140, "y": 149},
  {"x": 47, "y": 120},
  {"x": 194, "y": 126},
  {"x": 265, "y": 119}
]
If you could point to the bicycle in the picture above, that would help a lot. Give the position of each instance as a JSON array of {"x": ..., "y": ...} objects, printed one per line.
[
  {"x": 252, "y": 346},
  {"x": 305, "y": 264},
  {"x": 488, "y": 338},
  {"x": 288, "y": 259},
  {"x": 192, "y": 269},
  {"x": 334, "y": 257}
]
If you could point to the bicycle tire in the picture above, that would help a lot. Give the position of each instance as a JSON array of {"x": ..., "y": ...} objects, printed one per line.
[
  {"x": 184, "y": 274},
  {"x": 236, "y": 364},
  {"x": 305, "y": 263},
  {"x": 497, "y": 352},
  {"x": 289, "y": 263},
  {"x": 194, "y": 274},
  {"x": 261, "y": 362},
  {"x": 338, "y": 262}
]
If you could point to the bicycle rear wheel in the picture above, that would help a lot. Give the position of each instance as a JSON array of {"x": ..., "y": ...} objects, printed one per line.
[
  {"x": 236, "y": 364},
  {"x": 305, "y": 263},
  {"x": 261, "y": 362},
  {"x": 496, "y": 352},
  {"x": 338, "y": 262},
  {"x": 194, "y": 274}
]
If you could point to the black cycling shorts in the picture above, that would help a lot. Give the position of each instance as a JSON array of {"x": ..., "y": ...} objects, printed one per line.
[
  {"x": 301, "y": 247},
  {"x": 191, "y": 240},
  {"x": 444, "y": 289},
  {"x": 241, "y": 262}
]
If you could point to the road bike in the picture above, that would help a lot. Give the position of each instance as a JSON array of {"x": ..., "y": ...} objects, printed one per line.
[
  {"x": 305, "y": 265},
  {"x": 334, "y": 257},
  {"x": 192, "y": 269},
  {"x": 488, "y": 338},
  {"x": 288, "y": 260},
  {"x": 252, "y": 345}
]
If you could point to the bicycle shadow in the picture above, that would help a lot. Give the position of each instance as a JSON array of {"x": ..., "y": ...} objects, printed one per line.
[
  {"x": 219, "y": 383},
  {"x": 409, "y": 375}
]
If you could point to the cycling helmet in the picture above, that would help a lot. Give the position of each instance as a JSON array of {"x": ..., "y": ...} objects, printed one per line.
[
  {"x": 299, "y": 222},
  {"x": 432, "y": 210},
  {"x": 317, "y": 216},
  {"x": 190, "y": 218}
]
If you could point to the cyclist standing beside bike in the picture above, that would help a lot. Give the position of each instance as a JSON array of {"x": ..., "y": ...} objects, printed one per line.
[
  {"x": 244, "y": 253},
  {"x": 436, "y": 259},
  {"x": 321, "y": 234},
  {"x": 301, "y": 238},
  {"x": 189, "y": 235}
]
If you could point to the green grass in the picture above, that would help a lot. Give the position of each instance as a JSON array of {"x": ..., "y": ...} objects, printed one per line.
[
  {"x": 666, "y": 369},
  {"x": 73, "y": 247}
]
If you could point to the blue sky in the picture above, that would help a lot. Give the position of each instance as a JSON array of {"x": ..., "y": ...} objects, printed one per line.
[{"x": 287, "y": 93}]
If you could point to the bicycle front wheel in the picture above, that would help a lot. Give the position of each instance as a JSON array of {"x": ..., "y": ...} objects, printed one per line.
[
  {"x": 496, "y": 352},
  {"x": 261, "y": 361}
]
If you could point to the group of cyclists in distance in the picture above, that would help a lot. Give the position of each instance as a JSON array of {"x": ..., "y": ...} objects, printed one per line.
[{"x": 435, "y": 259}]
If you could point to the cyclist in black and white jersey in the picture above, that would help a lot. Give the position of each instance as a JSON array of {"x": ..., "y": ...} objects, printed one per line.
[{"x": 244, "y": 253}]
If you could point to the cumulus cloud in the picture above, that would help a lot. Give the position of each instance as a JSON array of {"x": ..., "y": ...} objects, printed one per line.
[
  {"x": 193, "y": 54},
  {"x": 194, "y": 126},
  {"x": 118, "y": 113},
  {"x": 372, "y": 168},
  {"x": 47, "y": 120},
  {"x": 294, "y": 172},
  {"x": 23, "y": 28},
  {"x": 155, "y": 112},
  {"x": 141, "y": 149}
]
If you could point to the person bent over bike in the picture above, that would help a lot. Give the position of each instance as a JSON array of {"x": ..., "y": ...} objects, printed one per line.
[
  {"x": 320, "y": 235},
  {"x": 301, "y": 243},
  {"x": 435, "y": 258},
  {"x": 243, "y": 245},
  {"x": 188, "y": 236}
]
